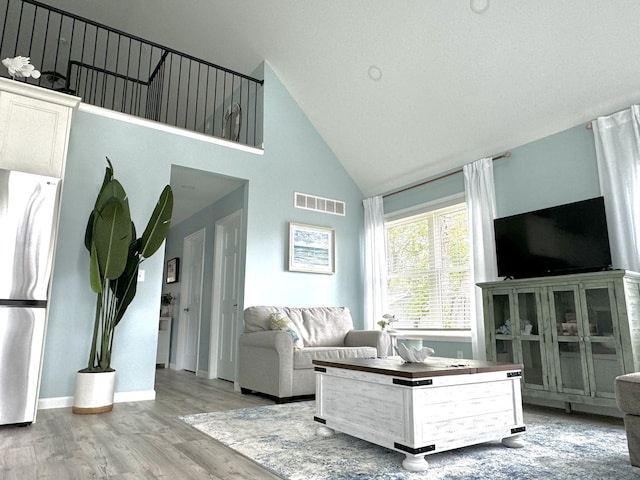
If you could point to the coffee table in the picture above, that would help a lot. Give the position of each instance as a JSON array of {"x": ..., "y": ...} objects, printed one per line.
[{"x": 420, "y": 408}]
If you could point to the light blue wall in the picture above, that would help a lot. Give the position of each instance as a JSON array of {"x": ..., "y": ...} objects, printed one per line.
[
  {"x": 295, "y": 159},
  {"x": 550, "y": 171},
  {"x": 554, "y": 170}
]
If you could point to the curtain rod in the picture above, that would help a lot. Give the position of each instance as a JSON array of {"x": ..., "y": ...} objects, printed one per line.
[{"x": 504, "y": 155}]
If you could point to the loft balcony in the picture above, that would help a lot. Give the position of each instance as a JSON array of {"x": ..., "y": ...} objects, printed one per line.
[{"x": 121, "y": 72}]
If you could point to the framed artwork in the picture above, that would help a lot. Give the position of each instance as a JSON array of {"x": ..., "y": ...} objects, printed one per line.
[
  {"x": 173, "y": 270},
  {"x": 311, "y": 249}
]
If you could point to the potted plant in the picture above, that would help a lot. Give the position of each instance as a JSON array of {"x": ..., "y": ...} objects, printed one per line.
[{"x": 116, "y": 253}]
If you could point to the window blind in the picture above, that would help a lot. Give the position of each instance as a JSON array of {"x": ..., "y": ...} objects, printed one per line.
[{"x": 428, "y": 269}]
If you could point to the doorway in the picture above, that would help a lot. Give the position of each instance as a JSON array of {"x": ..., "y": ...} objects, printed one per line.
[
  {"x": 201, "y": 200},
  {"x": 226, "y": 297},
  {"x": 190, "y": 315}
]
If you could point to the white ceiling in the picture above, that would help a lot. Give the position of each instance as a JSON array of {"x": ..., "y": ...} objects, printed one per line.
[{"x": 455, "y": 86}]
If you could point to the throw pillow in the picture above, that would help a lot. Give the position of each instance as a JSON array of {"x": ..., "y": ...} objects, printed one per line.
[{"x": 279, "y": 321}]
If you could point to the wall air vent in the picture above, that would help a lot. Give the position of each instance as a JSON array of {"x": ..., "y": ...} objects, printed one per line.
[{"x": 319, "y": 204}]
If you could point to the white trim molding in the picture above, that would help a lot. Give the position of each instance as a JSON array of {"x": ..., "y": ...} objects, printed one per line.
[
  {"x": 163, "y": 127},
  {"x": 462, "y": 336},
  {"x": 119, "y": 397}
]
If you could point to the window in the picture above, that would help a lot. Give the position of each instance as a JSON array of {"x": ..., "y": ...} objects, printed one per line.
[{"x": 428, "y": 269}]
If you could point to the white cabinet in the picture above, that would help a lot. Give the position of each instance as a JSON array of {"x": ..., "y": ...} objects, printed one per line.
[
  {"x": 573, "y": 333},
  {"x": 34, "y": 128},
  {"x": 164, "y": 341}
]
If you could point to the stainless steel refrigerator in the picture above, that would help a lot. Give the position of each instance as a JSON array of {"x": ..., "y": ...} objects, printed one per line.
[{"x": 28, "y": 213}]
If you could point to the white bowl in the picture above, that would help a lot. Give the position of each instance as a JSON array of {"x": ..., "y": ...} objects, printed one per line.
[{"x": 413, "y": 354}]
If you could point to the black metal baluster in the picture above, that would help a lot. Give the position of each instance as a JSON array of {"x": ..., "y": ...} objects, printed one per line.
[
  {"x": 46, "y": 35},
  {"x": 255, "y": 117},
  {"x": 105, "y": 75},
  {"x": 115, "y": 80},
  {"x": 178, "y": 91},
  {"x": 67, "y": 84},
  {"x": 93, "y": 74},
  {"x": 4, "y": 26},
  {"x": 148, "y": 72},
  {"x": 168, "y": 94},
  {"x": 206, "y": 102},
  {"x": 15, "y": 50},
  {"x": 55, "y": 61},
  {"x": 224, "y": 98},
  {"x": 215, "y": 102},
  {"x": 195, "y": 115},
  {"x": 84, "y": 43},
  {"x": 29, "y": 54},
  {"x": 186, "y": 103},
  {"x": 124, "y": 93}
]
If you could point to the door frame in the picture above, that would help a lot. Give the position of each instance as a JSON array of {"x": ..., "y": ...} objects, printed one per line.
[
  {"x": 217, "y": 292},
  {"x": 184, "y": 289}
]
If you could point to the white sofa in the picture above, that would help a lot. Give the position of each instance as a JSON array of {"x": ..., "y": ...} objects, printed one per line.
[{"x": 269, "y": 363}]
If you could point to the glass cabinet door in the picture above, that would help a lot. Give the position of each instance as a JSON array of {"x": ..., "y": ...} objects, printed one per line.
[
  {"x": 516, "y": 326},
  {"x": 567, "y": 330},
  {"x": 502, "y": 327},
  {"x": 600, "y": 341},
  {"x": 528, "y": 335}
]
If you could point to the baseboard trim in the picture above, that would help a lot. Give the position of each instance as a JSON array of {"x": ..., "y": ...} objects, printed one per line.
[
  {"x": 119, "y": 397},
  {"x": 54, "y": 402},
  {"x": 139, "y": 396},
  {"x": 202, "y": 373},
  {"x": 576, "y": 407}
]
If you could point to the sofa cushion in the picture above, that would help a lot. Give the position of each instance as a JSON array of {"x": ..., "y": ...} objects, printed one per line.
[
  {"x": 279, "y": 321},
  {"x": 304, "y": 358},
  {"x": 627, "y": 388},
  {"x": 257, "y": 318},
  {"x": 326, "y": 326},
  {"x": 318, "y": 326}
]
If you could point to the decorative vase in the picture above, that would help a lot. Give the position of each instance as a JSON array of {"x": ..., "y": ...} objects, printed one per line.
[{"x": 94, "y": 392}]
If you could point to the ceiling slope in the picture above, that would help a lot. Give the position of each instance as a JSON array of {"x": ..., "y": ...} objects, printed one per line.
[{"x": 449, "y": 86}]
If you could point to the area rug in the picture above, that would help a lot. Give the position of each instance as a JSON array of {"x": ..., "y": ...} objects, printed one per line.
[{"x": 282, "y": 439}]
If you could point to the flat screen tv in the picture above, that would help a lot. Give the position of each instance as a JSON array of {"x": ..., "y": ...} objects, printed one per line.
[{"x": 569, "y": 238}]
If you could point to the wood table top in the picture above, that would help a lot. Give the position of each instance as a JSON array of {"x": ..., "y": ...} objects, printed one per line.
[{"x": 432, "y": 367}]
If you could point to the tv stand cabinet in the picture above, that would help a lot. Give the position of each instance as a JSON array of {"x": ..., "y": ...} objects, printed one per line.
[{"x": 573, "y": 333}]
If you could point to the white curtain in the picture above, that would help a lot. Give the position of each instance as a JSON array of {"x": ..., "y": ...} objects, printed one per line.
[
  {"x": 617, "y": 139},
  {"x": 375, "y": 262},
  {"x": 481, "y": 208}
]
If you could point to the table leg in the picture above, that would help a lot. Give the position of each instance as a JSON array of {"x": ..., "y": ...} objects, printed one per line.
[
  {"x": 415, "y": 463},
  {"x": 513, "y": 442}
]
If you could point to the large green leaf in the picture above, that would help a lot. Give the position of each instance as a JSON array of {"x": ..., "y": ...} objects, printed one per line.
[
  {"x": 94, "y": 271},
  {"x": 88, "y": 233},
  {"x": 110, "y": 188},
  {"x": 125, "y": 287},
  {"x": 112, "y": 236},
  {"x": 158, "y": 225}
]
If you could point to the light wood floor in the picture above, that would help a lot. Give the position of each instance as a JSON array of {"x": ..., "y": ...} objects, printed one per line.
[{"x": 138, "y": 440}]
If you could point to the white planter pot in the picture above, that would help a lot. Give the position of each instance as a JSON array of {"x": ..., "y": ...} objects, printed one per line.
[{"x": 94, "y": 392}]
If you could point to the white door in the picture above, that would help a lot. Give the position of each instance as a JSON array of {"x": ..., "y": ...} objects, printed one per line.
[
  {"x": 226, "y": 296},
  {"x": 190, "y": 302}
]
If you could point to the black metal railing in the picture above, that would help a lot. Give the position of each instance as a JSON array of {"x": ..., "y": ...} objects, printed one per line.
[{"x": 112, "y": 69}]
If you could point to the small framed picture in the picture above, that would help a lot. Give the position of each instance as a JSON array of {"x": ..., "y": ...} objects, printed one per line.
[
  {"x": 311, "y": 249},
  {"x": 173, "y": 269}
]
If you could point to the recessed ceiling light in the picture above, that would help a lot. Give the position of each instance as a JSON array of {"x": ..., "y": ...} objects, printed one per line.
[
  {"x": 479, "y": 6},
  {"x": 374, "y": 73}
]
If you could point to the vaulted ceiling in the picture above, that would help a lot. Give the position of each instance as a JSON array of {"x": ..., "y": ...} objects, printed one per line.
[{"x": 402, "y": 90}]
